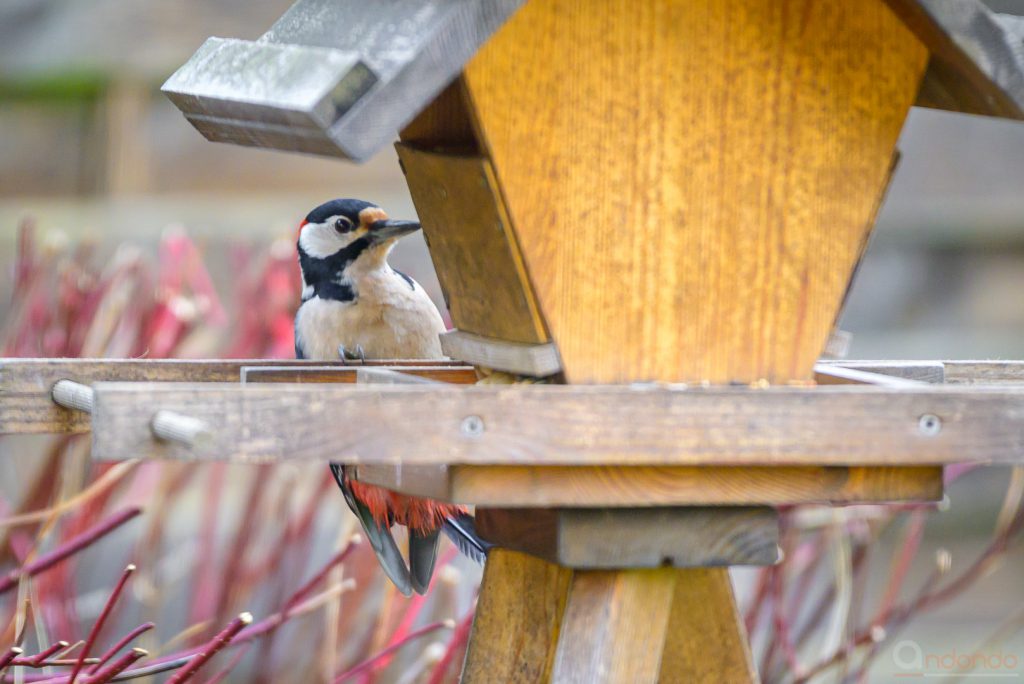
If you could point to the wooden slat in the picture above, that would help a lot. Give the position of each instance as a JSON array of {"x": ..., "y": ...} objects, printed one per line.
[
  {"x": 26, "y": 407},
  {"x": 705, "y": 638},
  {"x": 672, "y": 170},
  {"x": 595, "y": 538},
  {"x": 615, "y": 626},
  {"x": 572, "y": 425},
  {"x": 475, "y": 254},
  {"x": 535, "y": 360},
  {"x": 457, "y": 375},
  {"x": 983, "y": 372},
  {"x": 517, "y": 620},
  {"x": 658, "y": 486}
]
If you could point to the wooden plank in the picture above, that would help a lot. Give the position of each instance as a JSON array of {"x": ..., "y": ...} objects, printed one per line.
[
  {"x": 459, "y": 375},
  {"x": 535, "y": 360},
  {"x": 705, "y": 638},
  {"x": 983, "y": 372},
  {"x": 615, "y": 626},
  {"x": 475, "y": 254},
  {"x": 542, "y": 486},
  {"x": 26, "y": 407},
  {"x": 596, "y": 538},
  {"x": 572, "y": 425},
  {"x": 671, "y": 173},
  {"x": 517, "y": 620}
]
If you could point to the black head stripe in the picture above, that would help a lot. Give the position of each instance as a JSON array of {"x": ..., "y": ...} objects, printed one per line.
[
  {"x": 324, "y": 274},
  {"x": 349, "y": 208}
]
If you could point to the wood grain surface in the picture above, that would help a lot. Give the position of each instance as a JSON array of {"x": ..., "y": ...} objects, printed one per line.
[
  {"x": 25, "y": 384},
  {"x": 615, "y": 626},
  {"x": 473, "y": 249},
  {"x": 703, "y": 604},
  {"x": 650, "y": 537},
  {"x": 518, "y": 619},
  {"x": 691, "y": 181},
  {"x": 658, "y": 485},
  {"x": 857, "y": 425}
]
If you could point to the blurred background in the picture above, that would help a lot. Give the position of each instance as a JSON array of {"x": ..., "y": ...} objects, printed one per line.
[{"x": 139, "y": 221}]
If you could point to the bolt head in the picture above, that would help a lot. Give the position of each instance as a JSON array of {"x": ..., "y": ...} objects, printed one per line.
[
  {"x": 929, "y": 425},
  {"x": 472, "y": 426}
]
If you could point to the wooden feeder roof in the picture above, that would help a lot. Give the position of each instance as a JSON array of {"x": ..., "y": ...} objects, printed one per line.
[
  {"x": 977, "y": 63},
  {"x": 334, "y": 77},
  {"x": 342, "y": 77}
]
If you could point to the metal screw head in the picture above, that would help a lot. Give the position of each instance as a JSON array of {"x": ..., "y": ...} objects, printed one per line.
[
  {"x": 929, "y": 425},
  {"x": 472, "y": 426}
]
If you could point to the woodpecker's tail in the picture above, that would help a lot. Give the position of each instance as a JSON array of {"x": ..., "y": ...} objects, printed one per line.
[
  {"x": 461, "y": 529},
  {"x": 422, "y": 546},
  {"x": 380, "y": 538}
]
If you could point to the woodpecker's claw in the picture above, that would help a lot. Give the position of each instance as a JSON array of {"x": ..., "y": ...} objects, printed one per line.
[{"x": 345, "y": 355}]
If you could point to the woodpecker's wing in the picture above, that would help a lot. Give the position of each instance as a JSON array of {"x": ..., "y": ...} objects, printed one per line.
[
  {"x": 461, "y": 529},
  {"x": 381, "y": 541},
  {"x": 422, "y": 555}
]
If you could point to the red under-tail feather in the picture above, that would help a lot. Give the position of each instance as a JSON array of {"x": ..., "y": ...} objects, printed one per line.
[{"x": 387, "y": 507}]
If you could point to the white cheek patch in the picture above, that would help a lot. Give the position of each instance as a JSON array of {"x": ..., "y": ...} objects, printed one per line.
[{"x": 320, "y": 240}]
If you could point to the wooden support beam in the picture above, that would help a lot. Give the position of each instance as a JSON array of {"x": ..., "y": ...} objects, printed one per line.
[
  {"x": 522, "y": 425},
  {"x": 25, "y": 384},
  {"x": 475, "y": 253},
  {"x": 596, "y": 538},
  {"x": 542, "y": 486},
  {"x": 615, "y": 625},
  {"x": 517, "y": 621},
  {"x": 702, "y": 642},
  {"x": 660, "y": 625}
]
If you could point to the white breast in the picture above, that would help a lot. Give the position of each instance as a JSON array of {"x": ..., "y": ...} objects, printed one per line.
[{"x": 389, "y": 320}]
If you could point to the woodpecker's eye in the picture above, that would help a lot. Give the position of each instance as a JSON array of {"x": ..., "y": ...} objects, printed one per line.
[{"x": 342, "y": 225}]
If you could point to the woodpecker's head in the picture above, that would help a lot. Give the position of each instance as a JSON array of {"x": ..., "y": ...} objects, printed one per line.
[{"x": 341, "y": 239}]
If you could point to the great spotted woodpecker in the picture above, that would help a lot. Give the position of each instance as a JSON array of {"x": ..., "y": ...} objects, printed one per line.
[{"x": 355, "y": 306}]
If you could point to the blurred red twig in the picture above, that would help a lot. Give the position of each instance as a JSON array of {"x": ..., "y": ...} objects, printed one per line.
[{"x": 68, "y": 548}]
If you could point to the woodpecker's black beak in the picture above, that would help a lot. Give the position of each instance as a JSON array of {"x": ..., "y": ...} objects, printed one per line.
[{"x": 385, "y": 230}]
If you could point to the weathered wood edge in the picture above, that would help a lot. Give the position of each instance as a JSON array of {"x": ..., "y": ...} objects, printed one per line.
[
  {"x": 573, "y": 425},
  {"x": 536, "y": 360}
]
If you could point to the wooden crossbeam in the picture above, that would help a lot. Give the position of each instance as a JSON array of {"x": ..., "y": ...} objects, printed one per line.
[
  {"x": 529, "y": 486},
  {"x": 25, "y": 384},
  {"x": 649, "y": 537},
  {"x": 572, "y": 425}
]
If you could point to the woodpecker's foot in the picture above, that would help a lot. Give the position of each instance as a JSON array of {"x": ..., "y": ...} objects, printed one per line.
[{"x": 346, "y": 355}]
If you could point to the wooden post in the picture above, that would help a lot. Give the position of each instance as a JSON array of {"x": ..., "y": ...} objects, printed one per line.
[{"x": 683, "y": 189}]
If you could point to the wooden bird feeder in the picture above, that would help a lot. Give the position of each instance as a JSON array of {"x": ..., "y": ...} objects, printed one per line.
[{"x": 656, "y": 205}]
